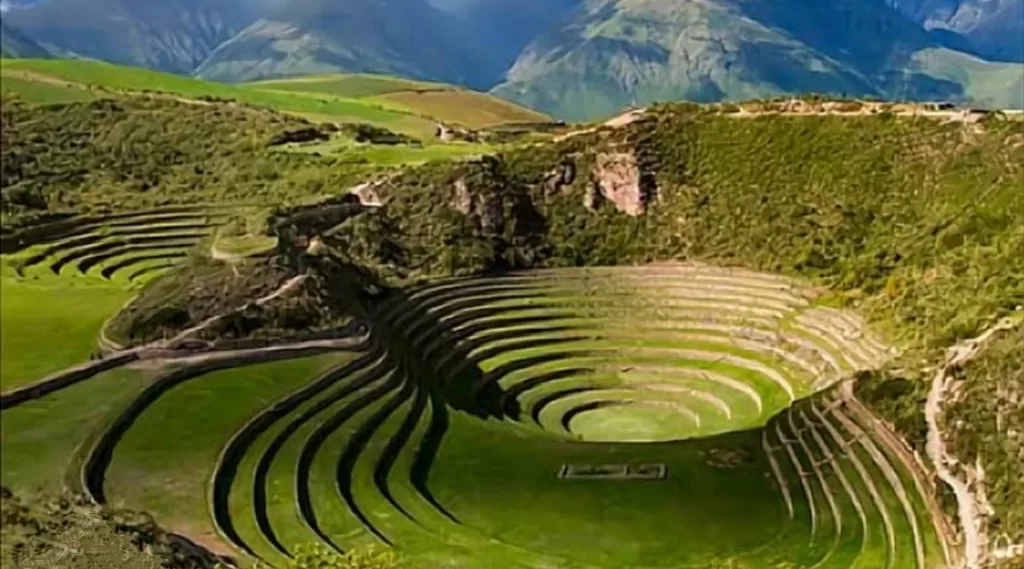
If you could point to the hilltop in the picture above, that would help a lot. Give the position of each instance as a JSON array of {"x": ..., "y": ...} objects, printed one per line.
[{"x": 743, "y": 310}]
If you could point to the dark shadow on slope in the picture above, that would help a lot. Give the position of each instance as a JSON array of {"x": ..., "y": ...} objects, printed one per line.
[
  {"x": 226, "y": 469},
  {"x": 510, "y": 403},
  {"x": 391, "y": 381},
  {"x": 543, "y": 402},
  {"x": 101, "y": 455},
  {"x": 345, "y": 470}
]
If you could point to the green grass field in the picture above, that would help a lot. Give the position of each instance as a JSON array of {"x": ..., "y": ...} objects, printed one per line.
[
  {"x": 169, "y": 477},
  {"x": 355, "y": 98},
  {"x": 38, "y": 89},
  {"x": 45, "y": 441},
  {"x": 604, "y": 411},
  {"x": 59, "y": 291},
  {"x": 47, "y": 327},
  {"x": 446, "y": 442},
  {"x": 394, "y": 155},
  {"x": 445, "y": 103}
]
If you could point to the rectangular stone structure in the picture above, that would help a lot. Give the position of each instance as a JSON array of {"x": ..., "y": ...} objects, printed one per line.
[{"x": 613, "y": 471}]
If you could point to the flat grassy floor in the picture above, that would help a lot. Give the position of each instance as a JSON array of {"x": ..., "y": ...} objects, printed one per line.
[
  {"x": 163, "y": 464},
  {"x": 625, "y": 423},
  {"x": 40, "y": 440},
  {"x": 50, "y": 325},
  {"x": 402, "y": 105},
  {"x": 482, "y": 470}
]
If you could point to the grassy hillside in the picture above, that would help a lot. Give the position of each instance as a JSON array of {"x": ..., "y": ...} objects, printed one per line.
[
  {"x": 625, "y": 348},
  {"x": 445, "y": 103},
  {"x": 120, "y": 78},
  {"x": 382, "y": 101}
]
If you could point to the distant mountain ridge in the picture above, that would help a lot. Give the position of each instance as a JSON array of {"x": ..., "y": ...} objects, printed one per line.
[
  {"x": 402, "y": 37},
  {"x": 577, "y": 59},
  {"x": 169, "y": 35},
  {"x": 14, "y": 43},
  {"x": 611, "y": 53},
  {"x": 992, "y": 28}
]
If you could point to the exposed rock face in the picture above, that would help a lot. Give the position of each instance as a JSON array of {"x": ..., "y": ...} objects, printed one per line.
[
  {"x": 491, "y": 213},
  {"x": 486, "y": 208},
  {"x": 367, "y": 194},
  {"x": 563, "y": 175},
  {"x": 446, "y": 133},
  {"x": 315, "y": 247},
  {"x": 617, "y": 178},
  {"x": 593, "y": 199},
  {"x": 463, "y": 199}
]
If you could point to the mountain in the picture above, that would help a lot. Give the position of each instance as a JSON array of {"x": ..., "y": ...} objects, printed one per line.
[
  {"x": 401, "y": 37},
  {"x": 992, "y": 28},
  {"x": 575, "y": 59},
  {"x": 610, "y": 53},
  {"x": 14, "y": 43},
  {"x": 170, "y": 35},
  {"x": 471, "y": 42},
  {"x": 500, "y": 29}
]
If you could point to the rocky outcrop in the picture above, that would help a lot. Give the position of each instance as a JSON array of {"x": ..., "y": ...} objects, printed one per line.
[
  {"x": 593, "y": 198},
  {"x": 486, "y": 208},
  {"x": 617, "y": 178},
  {"x": 558, "y": 178},
  {"x": 463, "y": 199},
  {"x": 446, "y": 133},
  {"x": 316, "y": 246},
  {"x": 367, "y": 194}
]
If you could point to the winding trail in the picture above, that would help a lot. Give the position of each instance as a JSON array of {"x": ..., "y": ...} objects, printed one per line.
[
  {"x": 288, "y": 286},
  {"x": 968, "y": 512}
]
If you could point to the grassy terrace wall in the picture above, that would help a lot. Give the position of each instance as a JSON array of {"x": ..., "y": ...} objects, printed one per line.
[
  {"x": 916, "y": 222},
  {"x": 445, "y": 436},
  {"x": 528, "y": 325}
]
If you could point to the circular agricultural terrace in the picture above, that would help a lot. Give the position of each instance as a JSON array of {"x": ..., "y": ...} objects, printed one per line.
[{"x": 672, "y": 415}]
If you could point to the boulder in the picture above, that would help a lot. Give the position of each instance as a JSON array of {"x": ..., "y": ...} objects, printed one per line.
[{"x": 617, "y": 178}]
